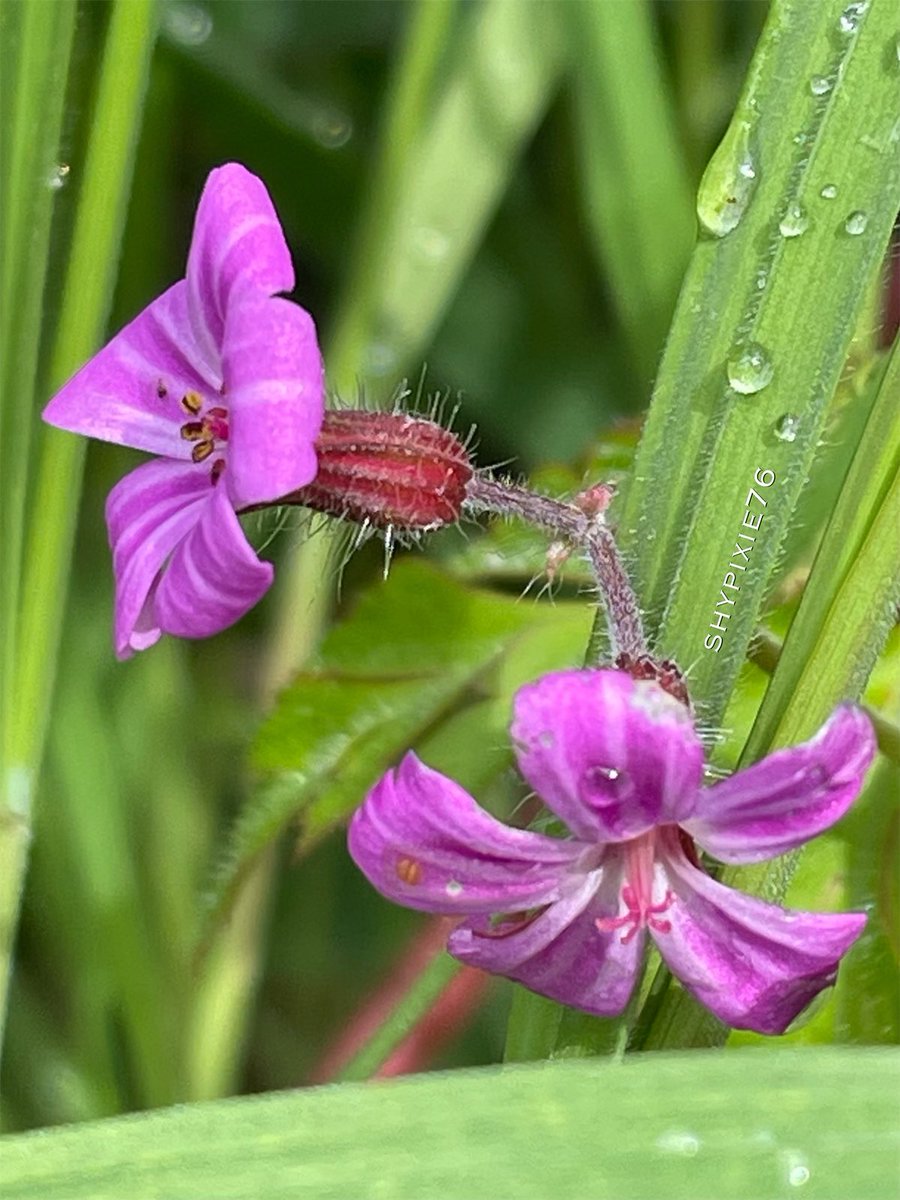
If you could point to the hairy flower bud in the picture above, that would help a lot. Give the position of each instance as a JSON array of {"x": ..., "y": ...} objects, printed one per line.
[{"x": 388, "y": 469}]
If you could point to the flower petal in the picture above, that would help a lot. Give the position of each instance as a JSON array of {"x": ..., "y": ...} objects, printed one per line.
[
  {"x": 147, "y": 514},
  {"x": 276, "y": 399},
  {"x": 130, "y": 392},
  {"x": 789, "y": 797},
  {"x": 214, "y": 576},
  {"x": 237, "y": 250},
  {"x": 611, "y": 755},
  {"x": 755, "y": 965},
  {"x": 422, "y": 841},
  {"x": 561, "y": 953}
]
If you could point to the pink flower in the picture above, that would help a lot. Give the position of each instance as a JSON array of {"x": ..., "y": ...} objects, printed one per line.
[
  {"x": 618, "y": 760},
  {"x": 222, "y": 380}
]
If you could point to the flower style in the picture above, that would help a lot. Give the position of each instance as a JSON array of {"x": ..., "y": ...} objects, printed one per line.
[
  {"x": 222, "y": 379},
  {"x": 618, "y": 760}
]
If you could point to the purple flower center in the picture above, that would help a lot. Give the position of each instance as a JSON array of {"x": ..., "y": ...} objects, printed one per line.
[{"x": 208, "y": 429}]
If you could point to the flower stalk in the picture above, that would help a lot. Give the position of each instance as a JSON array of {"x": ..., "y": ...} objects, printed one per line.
[{"x": 581, "y": 527}]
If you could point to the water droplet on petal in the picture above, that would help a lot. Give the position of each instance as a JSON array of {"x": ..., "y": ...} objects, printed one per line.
[
  {"x": 851, "y": 18},
  {"x": 787, "y": 427},
  {"x": 794, "y": 222},
  {"x": 856, "y": 223},
  {"x": 820, "y": 85},
  {"x": 546, "y": 739},
  {"x": 728, "y": 183},
  {"x": 604, "y": 785},
  {"x": 750, "y": 369},
  {"x": 188, "y": 24},
  {"x": 454, "y": 888},
  {"x": 829, "y": 191}
]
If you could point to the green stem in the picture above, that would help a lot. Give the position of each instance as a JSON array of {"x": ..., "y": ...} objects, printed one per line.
[{"x": 411, "y": 1008}]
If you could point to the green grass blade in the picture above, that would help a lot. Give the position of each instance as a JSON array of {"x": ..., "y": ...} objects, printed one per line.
[
  {"x": 797, "y": 205},
  {"x": 875, "y": 468},
  {"x": 744, "y": 1124},
  {"x": 87, "y": 292},
  {"x": 636, "y": 192},
  {"x": 37, "y": 43}
]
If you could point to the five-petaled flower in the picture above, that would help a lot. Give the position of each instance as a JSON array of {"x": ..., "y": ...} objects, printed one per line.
[
  {"x": 223, "y": 380},
  {"x": 618, "y": 760}
]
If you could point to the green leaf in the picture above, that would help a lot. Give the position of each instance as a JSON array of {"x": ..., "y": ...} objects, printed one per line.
[
  {"x": 847, "y": 606},
  {"x": 417, "y": 649},
  {"x": 803, "y": 188},
  {"x": 636, "y": 192},
  {"x": 724, "y": 1125}
]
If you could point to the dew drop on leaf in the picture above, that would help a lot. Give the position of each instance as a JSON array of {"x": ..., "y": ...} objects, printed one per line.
[
  {"x": 58, "y": 177},
  {"x": 829, "y": 191},
  {"x": 787, "y": 427},
  {"x": 750, "y": 369},
  {"x": 856, "y": 223},
  {"x": 188, "y": 24},
  {"x": 820, "y": 85},
  {"x": 728, "y": 183},
  {"x": 794, "y": 222},
  {"x": 851, "y": 18}
]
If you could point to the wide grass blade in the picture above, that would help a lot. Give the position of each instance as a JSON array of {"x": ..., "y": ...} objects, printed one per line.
[{"x": 743, "y": 1124}]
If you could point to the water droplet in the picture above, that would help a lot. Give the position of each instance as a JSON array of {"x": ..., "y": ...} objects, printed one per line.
[
  {"x": 454, "y": 888},
  {"x": 820, "y": 85},
  {"x": 829, "y": 191},
  {"x": 728, "y": 183},
  {"x": 331, "y": 129},
  {"x": 380, "y": 358},
  {"x": 787, "y": 427},
  {"x": 856, "y": 223},
  {"x": 431, "y": 243},
  {"x": 546, "y": 739},
  {"x": 678, "y": 1142},
  {"x": 762, "y": 280},
  {"x": 795, "y": 221},
  {"x": 796, "y": 1169},
  {"x": 188, "y": 24},
  {"x": 800, "y": 139},
  {"x": 750, "y": 370},
  {"x": 604, "y": 785},
  {"x": 851, "y": 18},
  {"x": 58, "y": 176}
]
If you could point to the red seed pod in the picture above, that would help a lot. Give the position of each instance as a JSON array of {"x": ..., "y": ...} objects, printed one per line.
[{"x": 387, "y": 469}]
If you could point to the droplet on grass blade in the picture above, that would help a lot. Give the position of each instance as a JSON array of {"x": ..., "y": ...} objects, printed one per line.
[{"x": 750, "y": 369}]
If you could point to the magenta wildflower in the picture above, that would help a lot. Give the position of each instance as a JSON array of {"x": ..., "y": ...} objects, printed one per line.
[
  {"x": 223, "y": 381},
  {"x": 619, "y": 761}
]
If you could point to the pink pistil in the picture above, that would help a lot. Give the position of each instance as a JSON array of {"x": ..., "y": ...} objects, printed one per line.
[{"x": 637, "y": 894}]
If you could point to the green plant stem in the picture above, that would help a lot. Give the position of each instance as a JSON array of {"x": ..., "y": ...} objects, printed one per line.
[
  {"x": 87, "y": 294},
  {"x": 33, "y": 91},
  {"x": 414, "y": 1004}
]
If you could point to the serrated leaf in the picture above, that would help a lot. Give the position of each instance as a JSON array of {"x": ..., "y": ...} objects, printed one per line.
[{"x": 418, "y": 648}]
